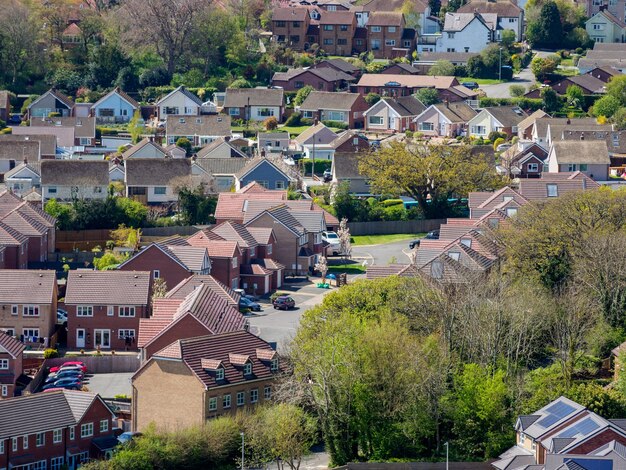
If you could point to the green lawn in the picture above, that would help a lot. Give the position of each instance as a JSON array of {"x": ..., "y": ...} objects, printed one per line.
[
  {"x": 569, "y": 62},
  {"x": 353, "y": 268},
  {"x": 294, "y": 131},
  {"x": 481, "y": 81},
  {"x": 360, "y": 240}
]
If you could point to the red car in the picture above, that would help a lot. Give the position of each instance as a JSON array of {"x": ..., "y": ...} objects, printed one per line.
[
  {"x": 284, "y": 302},
  {"x": 70, "y": 365}
]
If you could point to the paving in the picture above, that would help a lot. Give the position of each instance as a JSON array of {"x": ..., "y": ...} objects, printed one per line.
[
  {"x": 396, "y": 253},
  {"x": 110, "y": 385}
]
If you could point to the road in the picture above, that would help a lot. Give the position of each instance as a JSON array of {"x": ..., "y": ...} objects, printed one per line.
[
  {"x": 389, "y": 253},
  {"x": 525, "y": 78}
]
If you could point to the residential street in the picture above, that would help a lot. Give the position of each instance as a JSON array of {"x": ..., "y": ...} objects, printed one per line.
[
  {"x": 501, "y": 90},
  {"x": 395, "y": 252}
]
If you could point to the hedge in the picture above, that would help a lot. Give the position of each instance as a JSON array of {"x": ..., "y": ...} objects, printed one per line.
[
  {"x": 335, "y": 124},
  {"x": 320, "y": 166},
  {"x": 532, "y": 104}
]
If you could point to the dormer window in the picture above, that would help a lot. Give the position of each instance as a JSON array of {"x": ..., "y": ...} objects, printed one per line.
[
  {"x": 467, "y": 242},
  {"x": 219, "y": 373},
  {"x": 507, "y": 198},
  {"x": 455, "y": 255},
  {"x": 247, "y": 368},
  {"x": 274, "y": 365}
]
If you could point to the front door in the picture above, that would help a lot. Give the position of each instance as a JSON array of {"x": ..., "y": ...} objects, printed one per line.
[
  {"x": 102, "y": 338},
  {"x": 442, "y": 129},
  {"x": 80, "y": 338},
  {"x": 279, "y": 278}
]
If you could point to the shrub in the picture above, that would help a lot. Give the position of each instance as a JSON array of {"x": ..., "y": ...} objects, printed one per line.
[
  {"x": 294, "y": 120},
  {"x": 497, "y": 142},
  {"x": 409, "y": 134},
  {"x": 50, "y": 353},
  {"x": 517, "y": 90},
  {"x": 336, "y": 124},
  {"x": 270, "y": 124},
  {"x": 392, "y": 202},
  {"x": 6, "y": 130},
  {"x": 493, "y": 135}
]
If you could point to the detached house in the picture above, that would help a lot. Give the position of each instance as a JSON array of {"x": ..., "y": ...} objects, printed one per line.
[
  {"x": 179, "y": 102},
  {"x": 466, "y": 32},
  {"x": 498, "y": 118},
  {"x": 254, "y": 104},
  {"x": 104, "y": 308},
  {"x": 316, "y": 139},
  {"x": 210, "y": 376},
  {"x": 524, "y": 160},
  {"x": 347, "y": 108},
  {"x": 29, "y": 305},
  {"x": 264, "y": 172},
  {"x": 155, "y": 180},
  {"x": 69, "y": 131},
  {"x": 199, "y": 130},
  {"x": 290, "y": 26},
  {"x": 322, "y": 79},
  {"x": 114, "y": 107},
  {"x": 605, "y": 27},
  {"x": 337, "y": 32},
  {"x": 146, "y": 148},
  {"x": 66, "y": 180},
  {"x": 384, "y": 35},
  {"x": 445, "y": 119},
  {"x": 52, "y": 101},
  {"x": 395, "y": 115},
  {"x": 10, "y": 364},
  {"x": 509, "y": 15},
  {"x": 590, "y": 157}
]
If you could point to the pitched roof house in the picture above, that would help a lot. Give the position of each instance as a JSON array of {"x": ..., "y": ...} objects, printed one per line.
[
  {"x": 263, "y": 171},
  {"x": 590, "y": 157},
  {"x": 345, "y": 168},
  {"x": 10, "y": 364},
  {"x": 211, "y": 375},
  {"x": 52, "y": 101},
  {"x": 322, "y": 79},
  {"x": 114, "y": 107},
  {"x": 343, "y": 107},
  {"x": 145, "y": 148},
  {"x": 445, "y": 119},
  {"x": 66, "y": 180},
  {"x": 226, "y": 256},
  {"x": 104, "y": 308},
  {"x": 509, "y": 15},
  {"x": 405, "y": 85},
  {"x": 69, "y": 131},
  {"x": 395, "y": 115},
  {"x": 254, "y": 104},
  {"x": 178, "y": 102},
  {"x": 497, "y": 118},
  {"x": 154, "y": 180},
  {"x": 5, "y": 105},
  {"x": 200, "y": 130}
]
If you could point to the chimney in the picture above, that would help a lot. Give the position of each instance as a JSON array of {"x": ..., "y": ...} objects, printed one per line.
[
  {"x": 447, "y": 103},
  {"x": 582, "y": 136},
  {"x": 568, "y": 121}
]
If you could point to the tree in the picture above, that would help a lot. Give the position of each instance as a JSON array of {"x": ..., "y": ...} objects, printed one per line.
[
  {"x": 606, "y": 106},
  {"x": 372, "y": 98},
  {"x": 126, "y": 236},
  {"x": 575, "y": 96},
  {"x": 136, "y": 127},
  {"x": 63, "y": 214},
  {"x": 427, "y": 96},
  {"x": 302, "y": 94},
  {"x": 619, "y": 119},
  {"x": 195, "y": 206},
  {"x": 19, "y": 31},
  {"x": 547, "y": 31},
  {"x": 322, "y": 267},
  {"x": 542, "y": 67},
  {"x": 551, "y": 100},
  {"x": 431, "y": 174},
  {"x": 507, "y": 38},
  {"x": 108, "y": 261},
  {"x": 617, "y": 89},
  {"x": 185, "y": 143},
  {"x": 443, "y": 68},
  {"x": 435, "y": 6},
  {"x": 345, "y": 239},
  {"x": 159, "y": 289},
  {"x": 270, "y": 123},
  {"x": 517, "y": 90}
]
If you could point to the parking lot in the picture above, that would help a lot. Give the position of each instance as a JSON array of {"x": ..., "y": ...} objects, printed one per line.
[{"x": 110, "y": 385}]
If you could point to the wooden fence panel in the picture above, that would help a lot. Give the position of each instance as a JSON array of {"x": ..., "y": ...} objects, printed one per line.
[{"x": 394, "y": 226}]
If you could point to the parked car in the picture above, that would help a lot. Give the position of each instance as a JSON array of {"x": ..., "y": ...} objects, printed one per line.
[
  {"x": 414, "y": 243},
  {"x": 332, "y": 239},
  {"x": 14, "y": 119},
  {"x": 53, "y": 389},
  {"x": 61, "y": 316},
  {"x": 284, "y": 302},
  {"x": 70, "y": 365},
  {"x": 64, "y": 374},
  {"x": 242, "y": 293},
  {"x": 432, "y": 235},
  {"x": 68, "y": 384},
  {"x": 470, "y": 85},
  {"x": 127, "y": 436},
  {"x": 328, "y": 175},
  {"x": 503, "y": 147},
  {"x": 244, "y": 302}
]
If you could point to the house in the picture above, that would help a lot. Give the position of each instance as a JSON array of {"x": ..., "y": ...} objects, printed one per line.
[
  {"x": 315, "y": 142},
  {"x": 34, "y": 215},
  {"x": 400, "y": 69},
  {"x": 232, "y": 206},
  {"x": 5, "y": 105},
  {"x": 199, "y": 130},
  {"x": 116, "y": 172},
  {"x": 104, "y": 308},
  {"x": 345, "y": 169},
  {"x": 171, "y": 263},
  {"x": 146, "y": 148},
  {"x": 337, "y": 31},
  {"x": 29, "y": 305},
  {"x": 613, "y": 8},
  {"x": 273, "y": 141},
  {"x": 264, "y": 172},
  {"x": 605, "y": 54},
  {"x": 222, "y": 171},
  {"x": 347, "y": 108},
  {"x": 466, "y": 32},
  {"x": 562, "y": 433},
  {"x": 10, "y": 364},
  {"x": 525, "y": 126},
  {"x": 498, "y": 118},
  {"x": 179, "y": 102},
  {"x": 350, "y": 142},
  {"x": 66, "y": 180},
  {"x": 114, "y": 107},
  {"x": 322, "y": 79},
  {"x": 290, "y": 26},
  {"x": 406, "y": 85},
  {"x": 590, "y": 157},
  {"x": 254, "y": 104},
  {"x": 384, "y": 35},
  {"x": 427, "y": 59},
  {"x": 220, "y": 148},
  {"x": 589, "y": 84},
  {"x": 605, "y": 27},
  {"x": 211, "y": 375},
  {"x": 34, "y": 229},
  {"x": 198, "y": 306},
  {"x": 52, "y": 101},
  {"x": 156, "y": 180},
  {"x": 509, "y": 14},
  {"x": 540, "y": 132},
  {"x": 339, "y": 65},
  {"x": 14, "y": 152},
  {"x": 47, "y": 145},
  {"x": 604, "y": 73},
  {"x": 524, "y": 160},
  {"x": 395, "y": 115},
  {"x": 69, "y": 131},
  {"x": 72, "y": 34},
  {"x": 60, "y": 429},
  {"x": 13, "y": 248},
  {"x": 445, "y": 119},
  {"x": 226, "y": 257}
]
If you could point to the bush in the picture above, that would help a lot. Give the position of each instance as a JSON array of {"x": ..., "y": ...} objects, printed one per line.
[
  {"x": 392, "y": 202},
  {"x": 493, "y": 135},
  {"x": 517, "y": 90},
  {"x": 50, "y": 353},
  {"x": 294, "y": 120},
  {"x": 408, "y": 134},
  {"x": 320, "y": 166},
  {"x": 270, "y": 124},
  {"x": 336, "y": 124},
  {"x": 6, "y": 130},
  {"x": 498, "y": 142}
]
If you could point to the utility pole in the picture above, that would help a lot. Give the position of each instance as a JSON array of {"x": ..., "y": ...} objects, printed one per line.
[
  {"x": 313, "y": 159},
  {"x": 243, "y": 448},
  {"x": 500, "y": 68},
  {"x": 447, "y": 452}
]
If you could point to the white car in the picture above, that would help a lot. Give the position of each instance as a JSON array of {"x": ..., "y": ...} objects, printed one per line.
[{"x": 331, "y": 239}]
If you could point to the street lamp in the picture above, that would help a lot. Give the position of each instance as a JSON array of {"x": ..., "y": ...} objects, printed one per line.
[
  {"x": 243, "y": 448},
  {"x": 500, "y": 68},
  {"x": 445, "y": 443}
]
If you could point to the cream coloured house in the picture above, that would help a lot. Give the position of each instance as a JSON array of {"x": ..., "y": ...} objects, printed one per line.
[{"x": 606, "y": 27}]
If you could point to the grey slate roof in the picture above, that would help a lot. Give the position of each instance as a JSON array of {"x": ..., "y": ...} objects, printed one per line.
[
  {"x": 508, "y": 116},
  {"x": 157, "y": 171},
  {"x": 503, "y": 8},
  {"x": 74, "y": 172},
  {"x": 329, "y": 100},
  {"x": 346, "y": 166},
  {"x": 581, "y": 151},
  {"x": 19, "y": 150},
  {"x": 327, "y": 74},
  {"x": 241, "y": 97},
  {"x": 47, "y": 143},
  {"x": 185, "y": 92},
  {"x": 108, "y": 287},
  {"x": 342, "y": 65},
  {"x": 11, "y": 345},
  {"x": 222, "y": 166},
  {"x": 205, "y": 125}
]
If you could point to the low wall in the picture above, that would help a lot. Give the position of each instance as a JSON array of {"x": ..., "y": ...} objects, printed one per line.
[
  {"x": 105, "y": 364},
  {"x": 395, "y": 226}
]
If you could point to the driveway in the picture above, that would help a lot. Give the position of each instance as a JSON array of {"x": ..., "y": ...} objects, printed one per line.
[
  {"x": 109, "y": 385},
  {"x": 525, "y": 78}
]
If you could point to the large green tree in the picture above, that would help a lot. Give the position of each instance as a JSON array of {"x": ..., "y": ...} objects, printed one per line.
[{"x": 547, "y": 31}]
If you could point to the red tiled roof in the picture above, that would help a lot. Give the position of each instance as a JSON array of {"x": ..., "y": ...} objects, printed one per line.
[
  {"x": 216, "y": 248},
  {"x": 254, "y": 270},
  {"x": 187, "y": 286},
  {"x": 263, "y": 235},
  {"x": 230, "y": 205},
  {"x": 108, "y": 287},
  {"x": 235, "y": 232},
  {"x": 11, "y": 346},
  {"x": 11, "y": 237}
]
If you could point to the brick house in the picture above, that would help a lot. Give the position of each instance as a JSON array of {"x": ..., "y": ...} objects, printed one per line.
[
  {"x": 384, "y": 33},
  {"x": 524, "y": 160},
  {"x": 10, "y": 364},
  {"x": 225, "y": 255},
  {"x": 198, "y": 306},
  {"x": 406, "y": 85},
  {"x": 322, "y": 79},
  {"x": 104, "y": 308},
  {"x": 15, "y": 247},
  {"x": 29, "y": 304},
  {"x": 290, "y": 26},
  {"x": 337, "y": 31},
  {"x": 210, "y": 376},
  {"x": 339, "y": 65},
  {"x": 347, "y": 108},
  {"x": 254, "y": 104},
  {"x": 55, "y": 430}
]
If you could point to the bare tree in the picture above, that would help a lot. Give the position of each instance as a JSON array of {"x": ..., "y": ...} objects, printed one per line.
[
  {"x": 159, "y": 288},
  {"x": 19, "y": 38},
  {"x": 322, "y": 267},
  {"x": 344, "y": 238}
]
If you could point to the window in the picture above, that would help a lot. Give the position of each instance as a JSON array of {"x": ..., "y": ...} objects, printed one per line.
[
  {"x": 126, "y": 311},
  {"x": 336, "y": 116},
  {"x": 233, "y": 111},
  {"x": 281, "y": 24},
  {"x": 294, "y": 39},
  {"x": 450, "y": 49},
  {"x": 268, "y": 250},
  {"x": 110, "y": 310},
  {"x": 280, "y": 184},
  {"x": 25, "y": 442},
  {"x": 4, "y": 364},
  {"x": 342, "y": 42},
  {"x": 86, "y": 430},
  {"x": 511, "y": 211},
  {"x": 264, "y": 183},
  {"x": 455, "y": 255},
  {"x": 41, "y": 439},
  {"x": 533, "y": 167},
  {"x": 274, "y": 365},
  {"x": 407, "y": 43},
  {"x": 553, "y": 190},
  {"x": 343, "y": 27},
  {"x": 375, "y": 44},
  {"x": 328, "y": 27},
  {"x": 267, "y": 392},
  {"x": 160, "y": 191},
  {"x": 359, "y": 42},
  {"x": 479, "y": 130},
  {"x": 328, "y": 42},
  {"x": 583, "y": 167},
  {"x": 376, "y": 29},
  {"x": 299, "y": 84},
  {"x": 254, "y": 395},
  {"x": 615, "y": 139},
  {"x": 450, "y": 35},
  {"x": 1, "y": 446},
  {"x": 307, "y": 114},
  {"x": 156, "y": 274},
  {"x": 14, "y": 444},
  {"x": 72, "y": 432},
  {"x": 13, "y": 309},
  {"x": 226, "y": 401},
  {"x": 125, "y": 333},
  {"x": 30, "y": 332},
  {"x": 213, "y": 404},
  {"x": 296, "y": 24},
  {"x": 331, "y": 8},
  {"x": 375, "y": 120},
  {"x": 84, "y": 311},
  {"x": 247, "y": 368},
  {"x": 522, "y": 438},
  {"x": 241, "y": 398},
  {"x": 436, "y": 269},
  {"x": 467, "y": 242},
  {"x": 170, "y": 110},
  {"x": 57, "y": 463},
  {"x": 219, "y": 373},
  {"x": 57, "y": 436},
  {"x": 30, "y": 310},
  {"x": 4, "y": 390},
  {"x": 391, "y": 29},
  {"x": 264, "y": 112},
  {"x": 572, "y": 167},
  {"x": 426, "y": 126},
  {"x": 598, "y": 27},
  {"x": 104, "y": 425}
]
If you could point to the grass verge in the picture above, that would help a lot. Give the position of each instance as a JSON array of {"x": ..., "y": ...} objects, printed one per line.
[
  {"x": 360, "y": 240},
  {"x": 353, "y": 268}
]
